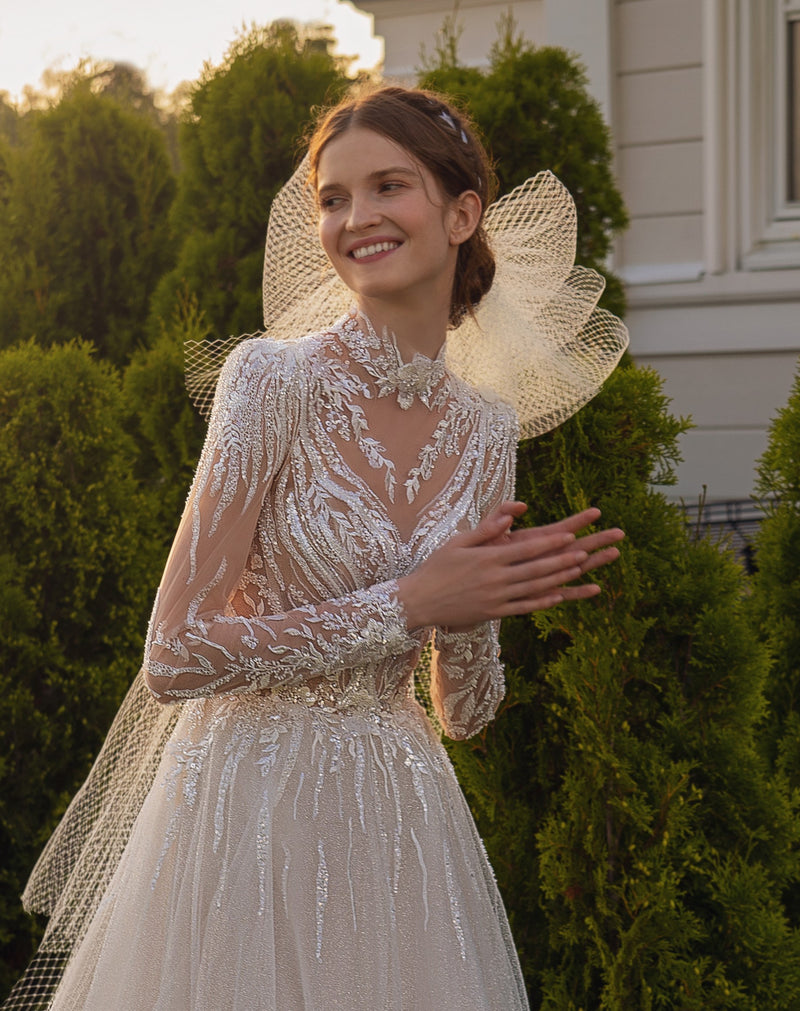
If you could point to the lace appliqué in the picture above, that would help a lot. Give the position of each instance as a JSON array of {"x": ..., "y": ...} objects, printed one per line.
[
  {"x": 468, "y": 677},
  {"x": 277, "y": 518},
  {"x": 423, "y": 378},
  {"x": 380, "y": 357}
]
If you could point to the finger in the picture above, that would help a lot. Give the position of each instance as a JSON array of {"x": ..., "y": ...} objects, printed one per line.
[
  {"x": 512, "y": 507},
  {"x": 570, "y": 524},
  {"x": 515, "y": 509},
  {"x": 581, "y": 592},
  {"x": 565, "y": 594},
  {"x": 601, "y": 539},
  {"x": 495, "y": 524},
  {"x": 576, "y": 522},
  {"x": 589, "y": 542},
  {"x": 543, "y": 601},
  {"x": 514, "y": 550},
  {"x": 561, "y": 567},
  {"x": 600, "y": 558}
]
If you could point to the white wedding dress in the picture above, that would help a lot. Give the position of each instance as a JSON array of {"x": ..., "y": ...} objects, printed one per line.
[{"x": 304, "y": 843}]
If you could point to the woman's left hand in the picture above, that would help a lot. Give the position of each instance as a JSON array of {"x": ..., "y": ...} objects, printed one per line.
[{"x": 600, "y": 547}]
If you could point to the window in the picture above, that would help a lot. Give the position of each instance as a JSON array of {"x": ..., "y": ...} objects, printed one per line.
[
  {"x": 768, "y": 127},
  {"x": 793, "y": 109}
]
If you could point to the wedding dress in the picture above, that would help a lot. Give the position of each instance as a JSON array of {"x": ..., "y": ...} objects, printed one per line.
[{"x": 304, "y": 843}]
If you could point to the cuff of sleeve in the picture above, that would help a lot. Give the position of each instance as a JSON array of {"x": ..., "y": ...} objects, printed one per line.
[
  {"x": 394, "y": 634},
  {"x": 446, "y": 638}
]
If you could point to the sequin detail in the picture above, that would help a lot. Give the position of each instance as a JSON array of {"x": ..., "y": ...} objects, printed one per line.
[{"x": 283, "y": 574}]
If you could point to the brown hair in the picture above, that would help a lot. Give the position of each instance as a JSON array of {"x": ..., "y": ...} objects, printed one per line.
[{"x": 443, "y": 140}]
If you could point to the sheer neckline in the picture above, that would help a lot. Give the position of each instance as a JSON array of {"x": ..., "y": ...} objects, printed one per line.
[{"x": 407, "y": 443}]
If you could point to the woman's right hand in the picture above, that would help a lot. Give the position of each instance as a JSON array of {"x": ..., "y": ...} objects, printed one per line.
[{"x": 493, "y": 572}]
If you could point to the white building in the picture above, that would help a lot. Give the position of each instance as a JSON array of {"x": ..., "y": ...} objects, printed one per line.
[{"x": 703, "y": 100}]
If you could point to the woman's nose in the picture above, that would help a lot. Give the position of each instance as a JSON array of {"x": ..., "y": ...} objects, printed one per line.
[{"x": 363, "y": 213}]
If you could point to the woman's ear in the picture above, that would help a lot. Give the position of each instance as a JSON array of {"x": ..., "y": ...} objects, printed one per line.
[{"x": 466, "y": 213}]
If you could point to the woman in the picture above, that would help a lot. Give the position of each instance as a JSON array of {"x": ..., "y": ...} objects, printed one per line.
[{"x": 300, "y": 841}]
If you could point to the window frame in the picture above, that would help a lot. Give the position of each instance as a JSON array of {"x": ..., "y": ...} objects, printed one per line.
[
  {"x": 788, "y": 80},
  {"x": 770, "y": 223}
]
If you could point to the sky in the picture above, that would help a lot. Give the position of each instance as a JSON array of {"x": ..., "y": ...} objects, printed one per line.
[{"x": 168, "y": 39}]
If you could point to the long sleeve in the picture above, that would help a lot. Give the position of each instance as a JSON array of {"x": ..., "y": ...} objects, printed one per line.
[
  {"x": 467, "y": 677},
  {"x": 205, "y": 638}
]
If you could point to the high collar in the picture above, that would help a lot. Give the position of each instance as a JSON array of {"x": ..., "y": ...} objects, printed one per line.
[{"x": 378, "y": 354}]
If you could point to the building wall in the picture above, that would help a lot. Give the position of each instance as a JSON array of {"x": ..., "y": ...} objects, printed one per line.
[
  {"x": 658, "y": 129},
  {"x": 692, "y": 92},
  {"x": 714, "y": 306},
  {"x": 409, "y": 26}
]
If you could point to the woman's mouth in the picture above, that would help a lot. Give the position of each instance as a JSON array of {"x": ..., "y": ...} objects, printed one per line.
[{"x": 372, "y": 249}]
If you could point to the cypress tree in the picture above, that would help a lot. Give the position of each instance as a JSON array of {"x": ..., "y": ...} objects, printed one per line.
[
  {"x": 84, "y": 236},
  {"x": 168, "y": 430},
  {"x": 76, "y": 582},
  {"x": 776, "y": 596},
  {"x": 775, "y": 603},
  {"x": 534, "y": 111},
  {"x": 238, "y": 146},
  {"x": 638, "y": 836}
]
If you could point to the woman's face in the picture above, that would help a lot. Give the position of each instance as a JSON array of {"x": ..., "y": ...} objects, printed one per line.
[{"x": 385, "y": 224}]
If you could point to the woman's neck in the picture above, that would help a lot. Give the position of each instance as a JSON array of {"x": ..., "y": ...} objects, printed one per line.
[{"x": 415, "y": 331}]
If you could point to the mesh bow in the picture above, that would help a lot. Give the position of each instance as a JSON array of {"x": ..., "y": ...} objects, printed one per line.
[{"x": 537, "y": 339}]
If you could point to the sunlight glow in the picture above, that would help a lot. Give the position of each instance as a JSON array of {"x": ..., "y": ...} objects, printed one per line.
[{"x": 169, "y": 39}]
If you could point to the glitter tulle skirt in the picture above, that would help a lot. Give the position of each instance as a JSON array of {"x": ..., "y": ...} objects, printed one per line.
[{"x": 294, "y": 857}]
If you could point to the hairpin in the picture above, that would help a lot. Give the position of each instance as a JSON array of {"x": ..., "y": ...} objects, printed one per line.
[{"x": 453, "y": 125}]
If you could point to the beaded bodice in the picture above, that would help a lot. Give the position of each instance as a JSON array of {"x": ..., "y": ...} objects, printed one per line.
[{"x": 330, "y": 470}]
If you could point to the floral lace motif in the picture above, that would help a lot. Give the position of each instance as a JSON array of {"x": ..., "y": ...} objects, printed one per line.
[
  {"x": 283, "y": 573},
  {"x": 380, "y": 357},
  {"x": 422, "y": 377}
]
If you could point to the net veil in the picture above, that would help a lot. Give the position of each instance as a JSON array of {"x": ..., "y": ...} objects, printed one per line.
[
  {"x": 76, "y": 865},
  {"x": 537, "y": 340}
]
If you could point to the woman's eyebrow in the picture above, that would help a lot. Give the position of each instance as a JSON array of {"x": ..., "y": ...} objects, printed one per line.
[{"x": 374, "y": 177}]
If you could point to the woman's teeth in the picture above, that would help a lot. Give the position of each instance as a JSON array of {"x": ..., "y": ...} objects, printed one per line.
[{"x": 377, "y": 247}]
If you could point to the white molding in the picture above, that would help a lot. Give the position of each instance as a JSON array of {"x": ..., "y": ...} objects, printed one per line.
[
  {"x": 722, "y": 289},
  {"x": 716, "y": 179},
  {"x": 774, "y": 256},
  {"x": 661, "y": 273},
  {"x": 785, "y": 12},
  {"x": 412, "y": 8}
]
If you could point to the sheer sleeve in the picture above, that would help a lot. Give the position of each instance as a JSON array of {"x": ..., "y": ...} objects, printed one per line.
[
  {"x": 200, "y": 642},
  {"x": 467, "y": 677}
]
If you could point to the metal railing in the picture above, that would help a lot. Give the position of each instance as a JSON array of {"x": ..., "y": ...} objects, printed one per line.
[{"x": 733, "y": 523}]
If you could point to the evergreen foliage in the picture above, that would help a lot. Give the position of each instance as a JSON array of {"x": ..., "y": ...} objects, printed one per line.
[
  {"x": 83, "y": 230},
  {"x": 535, "y": 113},
  {"x": 238, "y": 145},
  {"x": 9, "y": 120},
  {"x": 775, "y": 602},
  {"x": 76, "y": 582},
  {"x": 638, "y": 836},
  {"x": 168, "y": 430}
]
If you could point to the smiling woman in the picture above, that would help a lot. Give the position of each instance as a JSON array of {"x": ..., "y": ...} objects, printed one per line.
[
  {"x": 273, "y": 823},
  {"x": 390, "y": 232}
]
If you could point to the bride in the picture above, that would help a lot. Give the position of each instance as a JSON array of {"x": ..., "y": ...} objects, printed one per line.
[{"x": 286, "y": 831}]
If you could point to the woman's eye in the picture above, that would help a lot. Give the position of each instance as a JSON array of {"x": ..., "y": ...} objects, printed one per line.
[
  {"x": 390, "y": 186},
  {"x": 328, "y": 203}
]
